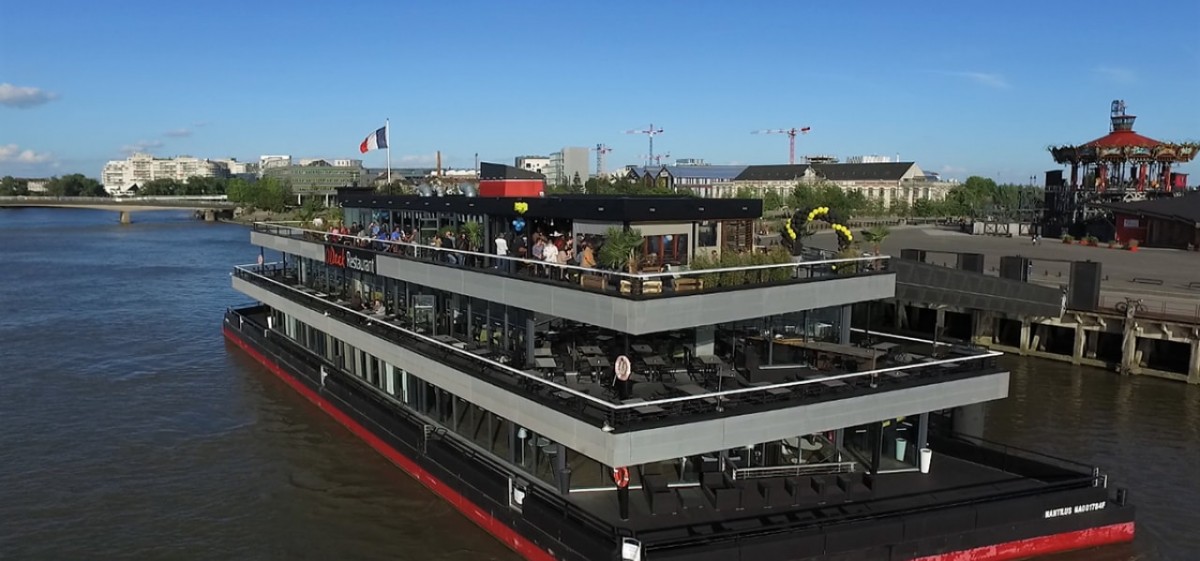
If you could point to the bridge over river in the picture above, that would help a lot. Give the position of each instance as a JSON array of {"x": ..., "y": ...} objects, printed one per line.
[{"x": 213, "y": 206}]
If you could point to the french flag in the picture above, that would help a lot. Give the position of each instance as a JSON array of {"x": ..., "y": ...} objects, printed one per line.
[{"x": 374, "y": 141}]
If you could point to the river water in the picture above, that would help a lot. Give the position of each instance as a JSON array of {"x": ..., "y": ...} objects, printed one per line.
[{"x": 130, "y": 430}]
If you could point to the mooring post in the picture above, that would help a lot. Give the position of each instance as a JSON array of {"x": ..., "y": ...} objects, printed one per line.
[
  {"x": 1194, "y": 363},
  {"x": 126, "y": 217},
  {"x": 1080, "y": 344},
  {"x": 1024, "y": 342}
]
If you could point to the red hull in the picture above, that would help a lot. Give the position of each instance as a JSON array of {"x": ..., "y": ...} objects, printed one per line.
[
  {"x": 1044, "y": 545},
  {"x": 1009, "y": 551},
  {"x": 506, "y": 535}
]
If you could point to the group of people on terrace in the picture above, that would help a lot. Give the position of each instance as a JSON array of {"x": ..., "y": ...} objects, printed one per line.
[{"x": 552, "y": 248}]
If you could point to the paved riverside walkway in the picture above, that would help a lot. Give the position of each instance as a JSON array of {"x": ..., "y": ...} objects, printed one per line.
[{"x": 1051, "y": 264}]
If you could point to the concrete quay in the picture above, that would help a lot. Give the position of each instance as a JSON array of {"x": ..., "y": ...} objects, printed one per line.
[{"x": 1148, "y": 322}]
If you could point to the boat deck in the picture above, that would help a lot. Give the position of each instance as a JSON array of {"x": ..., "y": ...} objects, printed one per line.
[
  {"x": 692, "y": 509},
  {"x": 669, "y": 383}
]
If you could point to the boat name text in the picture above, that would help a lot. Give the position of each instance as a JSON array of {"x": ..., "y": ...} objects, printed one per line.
[{"x": 1077, "y": 509}]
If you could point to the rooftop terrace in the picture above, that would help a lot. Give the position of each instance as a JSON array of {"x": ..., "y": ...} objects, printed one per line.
[
  {"x": 653, "y": 300},
  {"x": 574, "y": 375}
]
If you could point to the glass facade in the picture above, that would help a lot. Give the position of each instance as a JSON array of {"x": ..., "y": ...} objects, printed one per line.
[{"x": 515, "y": 336}]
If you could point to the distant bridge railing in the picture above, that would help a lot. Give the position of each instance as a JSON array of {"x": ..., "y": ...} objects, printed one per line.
[
  {"x": 116, "y": 199},
  {"x": 181, "y": 201}
]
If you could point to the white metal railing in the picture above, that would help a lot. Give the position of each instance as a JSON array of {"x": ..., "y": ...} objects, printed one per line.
[
  {"x": 249, "y": 270},
  {"x": 793, "y": 470},
  {"x": 299, "y": 232},
  {"x": 118, "y": 198}
]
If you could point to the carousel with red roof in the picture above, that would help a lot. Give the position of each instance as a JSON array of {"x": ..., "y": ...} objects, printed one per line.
[{"x": 1120, "y": 166}]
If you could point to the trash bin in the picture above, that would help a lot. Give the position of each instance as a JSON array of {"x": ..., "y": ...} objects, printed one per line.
[
  {"x": 926, "y": 458},
  {"x": 901, "y": 449}
]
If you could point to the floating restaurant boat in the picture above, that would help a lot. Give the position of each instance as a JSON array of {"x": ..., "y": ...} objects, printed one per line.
[{"x": 684, "y": 398}]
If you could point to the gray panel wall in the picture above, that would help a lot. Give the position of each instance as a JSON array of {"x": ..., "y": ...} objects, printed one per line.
[
  {"x": 289, "y": 245},
  {"x": 931, "y": 284},
  {"x": 617, "y": 449},
  {"x": 611, "y": 312}
]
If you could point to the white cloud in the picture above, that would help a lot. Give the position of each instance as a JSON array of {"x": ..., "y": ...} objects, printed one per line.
[
  {"x": 988, "y": 79},
  {"x": 1116, "y": 74},
  {"x": 24, "y": 97},
  {"x": 11, "y": 153},
  {"x": 141, "y": 146},
  {"x": 952, "y": 170},
  {"x": 178, "y": 133}
]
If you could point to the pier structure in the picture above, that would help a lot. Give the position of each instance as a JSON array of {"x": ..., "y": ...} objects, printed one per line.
[{"x": 1011, "y": 313}]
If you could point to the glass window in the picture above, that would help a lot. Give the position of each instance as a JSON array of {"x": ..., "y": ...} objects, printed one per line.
[{"x": 706, "y": 234}]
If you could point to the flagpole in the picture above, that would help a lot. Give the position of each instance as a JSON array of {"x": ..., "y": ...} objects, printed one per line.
[{"x": 387, "y": 135}]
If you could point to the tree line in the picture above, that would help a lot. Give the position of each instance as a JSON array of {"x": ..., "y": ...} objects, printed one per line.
[
  {"x": 977, "y": 197},
  {"x": 267, "y": 193},
  {"x": 74, "y": 185}
]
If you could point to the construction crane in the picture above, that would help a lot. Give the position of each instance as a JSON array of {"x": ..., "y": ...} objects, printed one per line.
[
  {"x": 792, "y": 132},
  {"x": 600, "y": 150},
  {"x": 651, "y": 133},
  {"x": 656, "y": 158}
]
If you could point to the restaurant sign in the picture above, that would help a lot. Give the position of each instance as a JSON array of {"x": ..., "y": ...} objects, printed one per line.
[{"x": 349, "y": 259}]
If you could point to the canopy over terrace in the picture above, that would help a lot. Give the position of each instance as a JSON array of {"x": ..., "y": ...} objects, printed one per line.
[
  {"x": 675, "y": 227},
  {"x": 1124, "y": 160}
]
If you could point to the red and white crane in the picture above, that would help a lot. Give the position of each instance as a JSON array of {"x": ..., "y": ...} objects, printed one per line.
[
  {"x": 792, "y": 132},
  {"x": 600, "y": 150},
  {"x": 651, "y": 133}
]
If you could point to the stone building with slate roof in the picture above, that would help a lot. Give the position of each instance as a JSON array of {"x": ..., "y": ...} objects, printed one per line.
[{"x": 885, "y": 181}]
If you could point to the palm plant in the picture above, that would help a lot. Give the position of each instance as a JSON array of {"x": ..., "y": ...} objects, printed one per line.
[{"x": 875, "y": 236}]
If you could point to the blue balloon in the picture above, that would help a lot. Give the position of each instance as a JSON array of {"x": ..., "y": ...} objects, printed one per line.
[{"x": 518, "y": 224}]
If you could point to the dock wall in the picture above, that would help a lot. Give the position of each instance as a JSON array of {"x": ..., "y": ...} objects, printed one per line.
[{"x": 1128, "y": 344}]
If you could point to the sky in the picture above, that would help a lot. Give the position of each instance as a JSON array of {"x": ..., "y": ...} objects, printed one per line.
[{"x": 962, "y": 88}]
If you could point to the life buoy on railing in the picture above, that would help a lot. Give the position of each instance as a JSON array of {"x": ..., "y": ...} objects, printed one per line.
[{"x": 621, "y": 477}]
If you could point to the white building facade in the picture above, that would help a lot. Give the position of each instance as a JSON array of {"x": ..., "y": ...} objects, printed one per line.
[
  {"x": 536, "y": 164},
  {"x": 566, "y": 164},
  {"x": 120, "y": 176}
]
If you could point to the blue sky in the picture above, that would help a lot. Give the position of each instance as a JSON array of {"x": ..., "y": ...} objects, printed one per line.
[{"x": 963, "y": 88}]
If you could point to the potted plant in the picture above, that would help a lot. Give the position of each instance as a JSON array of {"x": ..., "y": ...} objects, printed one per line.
[
  {"x": 779, "y": 255},
  {"x": 473, "y": 232},
  {"x": 1092, "y": 241},
  {"x": 702, "y": 262},
  {"x": 621, "y": 249},
  {"x": 1068, "y": 239},
  {"x": 1133, "y": 245},
  {"x": 1112, "y": 245}
]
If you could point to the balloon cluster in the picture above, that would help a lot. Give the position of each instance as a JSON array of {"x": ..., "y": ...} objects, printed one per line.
[
  {"x": 843, "y": 231},
  {"x": 518, "y": 224},
  {"x": 520, "y": 207},
  {"x": 801, "y": 219}
]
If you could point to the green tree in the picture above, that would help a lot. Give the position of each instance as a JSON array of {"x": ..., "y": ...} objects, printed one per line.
[
  {"x": 271, "y": 194},
  {"x": 74, "y": 185},
  {"x": 11, "y": 186},
  {"x": 160, "y": 188},
  {"x": 900, "y": 207},
  {"x": 773, "y": 201},
  {"x": 238, "y": 190}
]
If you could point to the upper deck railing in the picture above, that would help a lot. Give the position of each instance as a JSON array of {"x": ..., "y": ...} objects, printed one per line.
[
  {"x": 612, "y": 414},
  {"x": 678, "y": 281}
]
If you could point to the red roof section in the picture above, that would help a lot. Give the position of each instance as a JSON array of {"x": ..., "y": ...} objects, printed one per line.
[{"x": 1123, "y": 138}]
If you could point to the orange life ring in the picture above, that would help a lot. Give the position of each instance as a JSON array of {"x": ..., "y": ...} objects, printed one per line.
[{"x": 621, "y": 477}]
